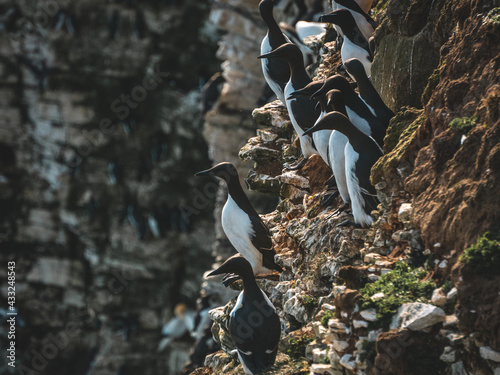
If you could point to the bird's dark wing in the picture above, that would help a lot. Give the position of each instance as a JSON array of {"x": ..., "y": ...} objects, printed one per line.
[
  {"x": 261, "y": 239},
  {"x": 279, "y": 71},
  {"x": 363, "y": 167},
  {"x": 305, "y": 112},
  {"x": 351, "y": 4},
  {"x": 257, "y": 344}
]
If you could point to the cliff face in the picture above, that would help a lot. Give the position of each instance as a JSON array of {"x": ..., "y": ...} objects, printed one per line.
[
  {"x": 396, "y": 298},
  {"x": 100, "y": 135}
]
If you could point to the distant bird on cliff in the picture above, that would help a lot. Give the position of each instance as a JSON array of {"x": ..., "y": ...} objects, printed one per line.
[
  {"x": 9, "y": 18},
  {"x": 253, "y": 323},
  {"x": 276, "y": 71},
  {"x": 357, "y": 110},
  {"x": 177, "y": 327},
  {"x": 368, "y": 93},
  {"x": 113, "y": 24},
  {"x": 302, "y": 111},
  {"x": 211, "y": 92},
  {"x": 361, "y": 153},
  {"x": 355, "y": 45},
  {"x": 41, "y": 71},
  {"x": 242, "y": 224},
  {"x": 114, "y": 172},
  {"x": 135, "y": 218},
  {"x": 139, "y": 24},
  {"x": 65, "y": 19},
  {"x": 128, "y": 125}
]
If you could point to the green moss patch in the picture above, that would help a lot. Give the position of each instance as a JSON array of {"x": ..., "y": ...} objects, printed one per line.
[
  {"x": 463, "y": 125},
  {"x": 329, "y": 314},
  {"x": 297, "y": 346},
  {"x": 399, "y": 141},
  {"x": 483, "y": 256},
  {"x": 494, "y": 15},
  {"x": 401, "y": 285},
  {"x": 310, "y": 302}
]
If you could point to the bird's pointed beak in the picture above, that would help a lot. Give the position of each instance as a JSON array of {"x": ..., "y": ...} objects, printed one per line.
[
  {"x": 215, "y": 272},
  {"x": 310, "y": 131},
  {"x": 294, "y": 95},
  {"x": 268, "y": 55},
  {"x": 203, "y": 173}
]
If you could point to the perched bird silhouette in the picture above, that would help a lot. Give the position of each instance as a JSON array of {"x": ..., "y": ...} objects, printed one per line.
[
  {"x": 242, "y": 224},
  {"x": 361, "y": 153},
  {"x": 253, "y": 323}
]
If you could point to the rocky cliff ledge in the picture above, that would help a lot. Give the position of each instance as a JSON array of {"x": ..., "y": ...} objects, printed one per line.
[{"x": 418, "y": 292}]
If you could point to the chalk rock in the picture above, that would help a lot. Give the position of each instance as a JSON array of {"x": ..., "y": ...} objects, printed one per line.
[{"x": 417, "y": 316}]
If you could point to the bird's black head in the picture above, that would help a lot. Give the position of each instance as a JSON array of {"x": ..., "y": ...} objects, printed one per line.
[
  {"x": 334, "y": 99},
  {"x": 306, "y": 91},
  {"x": 335, "y": 82},
  {"x": 340, "y": 17},
  {"x": 331, "y": 121},
  {"x": 266, "y": 7},
  {"x": 236, "y": 264},
  {"x": 287, "y": 51},
  {"x": 355, "y": 68},
  {"x": 225, "y": 171}
]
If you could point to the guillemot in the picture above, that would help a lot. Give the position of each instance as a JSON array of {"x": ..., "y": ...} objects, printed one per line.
[
  {"x": 302, "y": 111},
  {"x": 320, "y": 138},
  {"x": 361, "y": 153},
  {"x": 336, "y": 142},
  {"x": 253, "y": 323},
  {"x": 276, "y": 71},
  {"x": 365, "y": 23},
  {"x": 355, "y": 45},
  {"x": 368, "y": 93},
  {"x": 242, "y": 224},
  {"x": 357, "y": 111}
]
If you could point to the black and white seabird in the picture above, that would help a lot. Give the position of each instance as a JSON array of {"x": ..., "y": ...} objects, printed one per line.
[
  {"x": 253, "y": 323},
  {"x": 336, "y": 147},
  {"x": 211, "y": 92},
  {"x": 302, "y": 111},
  {"x": 242, "y": 224},
  {"x": 337, "y": 141},
  {"x": 139, "y": 24},
  {"x": 113, "y": 24},
  {"x": 276, "y": 71},
  {"x": 67, "y": 20},
  {"x": 357, "y": 110},
  {"x": 114, "y": 172},
  {"x": 320, "y": 138},
  {"x": 355, "y": 45},
  {"x": 368, "y": 93},
  {"x": 182, "y": 324},
  {"x": 135, "y": 218},
  {"x": 361, "y": 153},
  {"x": 365, "y": 23}
]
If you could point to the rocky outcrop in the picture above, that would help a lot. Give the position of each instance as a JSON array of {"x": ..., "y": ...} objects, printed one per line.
[{"x": 343, "y": 287}]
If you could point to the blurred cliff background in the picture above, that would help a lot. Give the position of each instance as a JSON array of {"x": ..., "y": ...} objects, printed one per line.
[{"x": 100, "y": 135}]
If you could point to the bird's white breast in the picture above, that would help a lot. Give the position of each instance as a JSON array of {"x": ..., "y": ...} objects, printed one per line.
[
  {"x": 336, "y": 149},
  {"x": 239, "y": 231},
  {"x": 357, "y": 201},
  {"x": 350, "y": 50}
]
